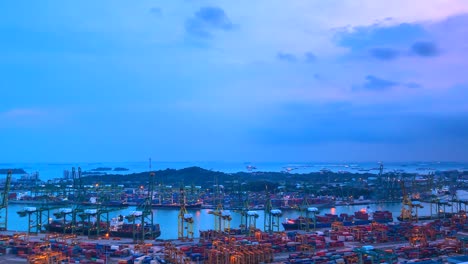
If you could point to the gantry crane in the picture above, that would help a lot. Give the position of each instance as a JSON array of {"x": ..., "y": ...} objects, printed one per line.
[
  {"x": 271, "y": 216},
  {"x": 408, "y": 205},
  {"x": 217, "y": 213},
  {"x": 100, "y": 213},
  {"x": 244, "y": 217},
  {"x": 38, "y": 217},
  {"x": 78, "y": 195},
  {"x": 252, "y": 217},
  {"x": 305, "y": 211},
  {"x": 222, "y": 219},
  {"x": 77, "y": 209},
  {"x": 4, "y": 203},
  {"x": 147, "y": 228},
  {"x": 185, "y": 220}
]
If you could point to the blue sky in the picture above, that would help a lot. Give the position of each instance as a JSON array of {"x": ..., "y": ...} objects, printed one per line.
[{"x": 266, "y": 80}]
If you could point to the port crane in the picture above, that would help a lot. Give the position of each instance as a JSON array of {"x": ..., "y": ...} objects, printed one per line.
[
  {"x": 145, "y": 216},
  {"x": 38, "y": 217},
  {"x": 4, "y": 203},
  {"x": 222, "y": 219},
  {"x": 70, "y": 215},
  {"x": 248, "y": 217},
  {"x": 78, "y": 195},
  {"x": 271, "y": 216},
  {"x": 185, "y": 220},
  {"x": 305, "y": 211},
  {"x": 100, "y": 214},
  {"x": 408, "y": 205},
  {"x": 243, "y": 216}
]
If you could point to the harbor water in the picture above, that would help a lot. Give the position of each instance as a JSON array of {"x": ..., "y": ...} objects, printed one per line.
[{"x": 167, "y": 218}]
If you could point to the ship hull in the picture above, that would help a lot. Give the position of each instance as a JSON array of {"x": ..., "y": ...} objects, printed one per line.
[
  {"x": 296, "y": 225},
  {"x": 318, "y": 206},
  {"x": 326, "y": 221}
]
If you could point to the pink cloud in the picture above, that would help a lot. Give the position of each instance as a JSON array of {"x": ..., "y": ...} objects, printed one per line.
[{"x": 31, "y": 117}]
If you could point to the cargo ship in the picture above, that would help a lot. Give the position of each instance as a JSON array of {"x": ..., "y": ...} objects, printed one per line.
[
  {"x": 287, "y": 203},
  {"x": 118, "y": 228},
  {"x": 325, "y": 221},
  {"x": 112, "y": 203},
  {"x": 196, "y": 205},
  {"x": 59, "y": 226},
  {"x": 82, "y": 227}
]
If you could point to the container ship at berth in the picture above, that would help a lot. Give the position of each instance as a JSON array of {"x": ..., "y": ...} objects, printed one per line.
[
  {"x": 288, "y": 203},
  {"x": 325, "y": 221},
  {"x": 197, "y": 205},
  {"x": 118, "y": 228}
]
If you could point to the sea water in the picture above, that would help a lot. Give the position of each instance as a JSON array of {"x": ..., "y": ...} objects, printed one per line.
[{"x": 167, "y": 218}]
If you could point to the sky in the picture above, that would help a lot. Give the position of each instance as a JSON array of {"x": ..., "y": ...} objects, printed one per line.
[{"x": 264, "y": 80}]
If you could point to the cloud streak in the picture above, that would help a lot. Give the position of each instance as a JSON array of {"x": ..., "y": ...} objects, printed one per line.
[
  {"x": 288, "y": 57},
  {"x": 310, "y": 57},
  {"x": 424, "y": 49},
  {"x": 378, "y": 84},
  {"x": 385, "y": 54},
  {"x": 207, "y": 20}
]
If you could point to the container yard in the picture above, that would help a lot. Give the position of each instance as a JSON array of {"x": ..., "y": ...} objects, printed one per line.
[
  {"x": 438, "y": 241},
  {"x": 83, "y": 230}
]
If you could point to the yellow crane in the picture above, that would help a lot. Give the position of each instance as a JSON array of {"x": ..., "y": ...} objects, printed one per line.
[
  {"x": 222, "y": 219},
  {"x": 408, "y": 205},
  {"x": 185, "y": 220}
]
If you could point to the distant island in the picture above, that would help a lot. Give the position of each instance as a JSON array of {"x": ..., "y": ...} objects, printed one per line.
[
  {"x": 13, "y": 171},
  {"x": 120, "y": 169},
  {"x": 102, "y": 169},
  {"x": 93, "y": 173}
]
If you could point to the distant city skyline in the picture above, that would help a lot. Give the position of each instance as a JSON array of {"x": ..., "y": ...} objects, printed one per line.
[{"x": 266, "y": 80}]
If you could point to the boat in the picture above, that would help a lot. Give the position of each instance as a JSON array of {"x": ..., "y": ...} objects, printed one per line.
[
  {"x": 288, "y": 203},
  {"x": 119, "y": 228},
  {"x": 325, "y": 221},
  {"x": 59, "y": 226},
  {"x": 86, "y": 228}
]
